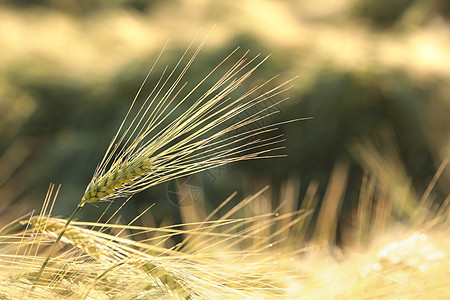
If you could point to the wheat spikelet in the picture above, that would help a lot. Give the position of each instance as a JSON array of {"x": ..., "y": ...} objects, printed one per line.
[
  {"x": 154, "y": 150},
  {"x": 74, "y": 235}
]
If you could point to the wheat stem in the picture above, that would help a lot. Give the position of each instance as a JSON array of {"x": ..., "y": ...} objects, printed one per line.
[{"x": 55, "y": 243}]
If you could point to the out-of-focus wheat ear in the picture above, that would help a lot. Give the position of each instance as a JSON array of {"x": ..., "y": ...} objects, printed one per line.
[
  {"x": 164, "y": 278},
  {"x": 73, "y": 235}
]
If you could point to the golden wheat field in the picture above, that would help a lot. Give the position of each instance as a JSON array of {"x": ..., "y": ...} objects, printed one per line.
[
  {"x": 241, "y": 255},
  {"x": 224, "y": 150}
]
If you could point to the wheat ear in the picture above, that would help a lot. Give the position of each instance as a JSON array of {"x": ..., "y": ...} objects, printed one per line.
[{"x": 154, "y": 150}]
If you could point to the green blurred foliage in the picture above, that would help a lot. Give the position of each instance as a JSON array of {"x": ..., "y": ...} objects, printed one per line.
[
  {"x": 387, "y": 14},
  {"x": 86, "y": 6},
  {"x": 71, "y": 118},
  {"x": 350, "y": 105}
]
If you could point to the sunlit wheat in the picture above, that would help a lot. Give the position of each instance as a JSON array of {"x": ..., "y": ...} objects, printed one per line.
[
  {"x": 165, "y": 141},
  {"x": 162, "y": 140}
]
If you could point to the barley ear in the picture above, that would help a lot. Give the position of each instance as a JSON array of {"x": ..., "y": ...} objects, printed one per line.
[
  {"x": 116, "y": 179},
  {"x": 161, "y": 142}
]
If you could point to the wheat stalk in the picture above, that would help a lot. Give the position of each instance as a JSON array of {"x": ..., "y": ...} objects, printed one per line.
[{"x": 152, "y": 149}]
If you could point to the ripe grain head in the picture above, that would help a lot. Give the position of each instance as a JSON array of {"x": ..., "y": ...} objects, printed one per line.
[{"x": 162, "y": 140}]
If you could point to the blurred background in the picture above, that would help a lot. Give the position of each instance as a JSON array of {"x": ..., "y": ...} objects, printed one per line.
[{"x": 370, "y": 72}]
